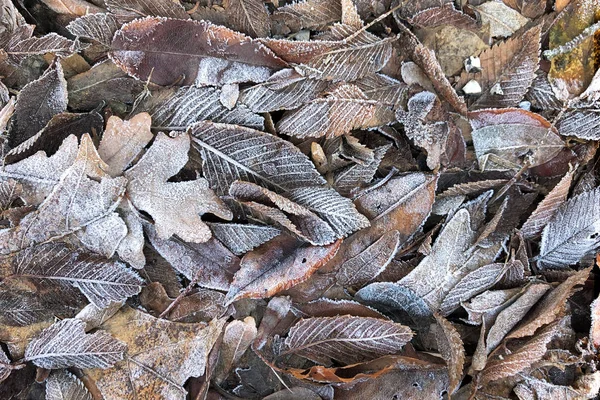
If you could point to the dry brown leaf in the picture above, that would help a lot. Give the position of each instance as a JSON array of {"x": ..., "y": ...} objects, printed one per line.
[
  {"x": 277, "y": 266},
  {"x": 248, "y": 16},
  {"x": 451, "y": 346},
  {"x": 237, "y": 338},
  {"x": 162, "y": 355}
]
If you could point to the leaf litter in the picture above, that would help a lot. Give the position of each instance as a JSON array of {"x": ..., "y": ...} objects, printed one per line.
[{"x": 304, "y": 199}]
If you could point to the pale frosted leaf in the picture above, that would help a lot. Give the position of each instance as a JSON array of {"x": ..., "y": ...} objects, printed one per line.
[
  {"x": 175, "y": 206},
  {"x": 397, "y": 301},
  {"x": 343, "y": 109},
  {"x": 520, "y": 359},
  {"x": 346, "y": 339},
  {"x": 353, "y": 59},
  {"x": 65, "y": 344},
  {"x": 572, "y": 234},
  {"x": 20, "y": 310},
  {"x": 451, "y": 347},
  {"x": 210, "y": 262},
  {"x": 471, "y": 285},
  {"x": 541, "y": 95},
  {"x": 5, "y": 369},
  {"x": 179, "y": 108},
  {"x": 366, "y": 266},
  {"x": 248, "y": 16},
  {"x": 277, "y": 266},
  {"x": 75, "y": 202},
  {"x": 127, "y": 10},
  {"x": 384, "y": 89},
  {"x": 62, "y": 385},
  {"x": 94, "y": 316},
  {"x": 99, "y": 27},
  {"x": 101, "y": 281},
  {"x": 347, "y": 179},
  {"x": 528, "y": 8},
  {"x": 581, "y": 123},
  {"x": 308, "y": 14},
  {"x": 37, "y": 103},
  {"x": 503, "y": 20},
  {"x": 50, "y": 43},
  {"x": 237, "y": 338},
  {"x": 285, "y": 90},
  {"x": 241, "y": 238},
  {"x": 231, "y": 153},
  {"x": 548, "y": 207},
  {"x": 131, "y": 247},
  {"x": 204, "y": 54},
  {"x": 123, "y": 141},
  {"x": 104, "y": 235},
  {"x": 507, "y": 70},
  {"x": 511, "y": 315},
  {"x": 551, "y": 307},
  {"x": 161, "y": 355},
  {"x": 444, "y": 15},
  {"x": 473, "y": 188},
  {"x": 338, "y": 211},
  {"x": 515, "y": 135}
]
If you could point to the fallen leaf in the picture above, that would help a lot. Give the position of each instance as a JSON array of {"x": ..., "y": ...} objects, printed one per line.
[
  {"x": 127, "y": 10},
  {"x": 237, "y": 339},
  {"x": 248, "y": 16},
  {"x": 452, "y": 349},
  {"x": 241, "y": 238},
  {"x": 64, "y": 385},
  {"x": 503, "y": 20}
]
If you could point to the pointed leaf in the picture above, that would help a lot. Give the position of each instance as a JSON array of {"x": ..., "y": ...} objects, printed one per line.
[
  {"x": 50, "y": 43},
  {"x": 65, "y": 344},
  {"x": 346, "y": 339},
  {"x": 277, "y": 266},
  {"x": 99, "y": 27},
  {"x": 241, "y": 238},
  {"x": 231, "y": 153},
  {"x": 205, "y": 54}
]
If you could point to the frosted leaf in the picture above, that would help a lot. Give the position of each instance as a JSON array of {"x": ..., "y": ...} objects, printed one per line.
[
  {"x": 162, "y": 355},
  {"x": 175, "y": 206},
  {"x": 5, "y": 369},
  {"x": 385, "y": 90},
  {"x": 451, "y": 347},
  {"x": 50, "y": 43},
  {"x": 503, "y": 20},
  {"x": 285, "y": 90},
  {"x": 343, "y": 109},
  {"x": 307, "y": 14},
  {"x": 75, "y": 202},
  {"x": 100, "y": 27},
  {"x": 127, "y": 10},
  {"x": 248, "y": 16},
  {"x": 101, "y": 281},
  {"x": 205, "y": 54},
  {"x": 346, "y": 339},
  {"x": 366, "y": 266},
  {"x": 231, "y": 153},
  {"x": 347, "y": 179},
  {"x": 65, "y": 344},
  {"x": 180, "y": 108},
  {"x": 131, "y": 247},
  {"x": 581, "y": 123},
  {"x": 104, "y": 235},
  {"x": 10, "y": 190},
  {"x": 237, "y": 338},
  {"x": 37, "y": 103},
  {"x": 572, "y": 234},
  {"x": 62, "y": 385},
  {"x": 123, "y": 141},
  {"x": 541, "y": 95},
  {"x": 548, "y": 207},
  {"x": 241, "y": 238},
  {"x": 268, "y": 270},
  {"x": 210, "y": 263}
]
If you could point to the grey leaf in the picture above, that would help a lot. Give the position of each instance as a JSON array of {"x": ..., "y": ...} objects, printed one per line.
[
  {"x": 101, "y": 281},
  {"x": 285, "y": 90},
  {"x": 346, "y": 339},
  {"x": 397, "y": 301},
  {"x": 37, "y": 103},
  {"x": 231, "y": 152},
  {"x": 367, "y": 265},
  {"x": 308, "y": 14},
  {"x": 63, "y": 385},
  {"x": 581, "y": 123},
  {"x": 572, "y": 234},
  {"x": 541, "y": 94},
  {"x": 65, "y": 344},
  {"x": 384, "y": 89},
  {"x": 127, "y": 10},
  {"x": 241, "y": 238},
  {"x": 50, "y": 43},
  {"x": 343, "y": 109},
  {"x": 5, "y": 369},
  {"x": 99, "y": 27},
  {"x": 176, "y": 109},
  {"x": 10, "y": 190}
]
